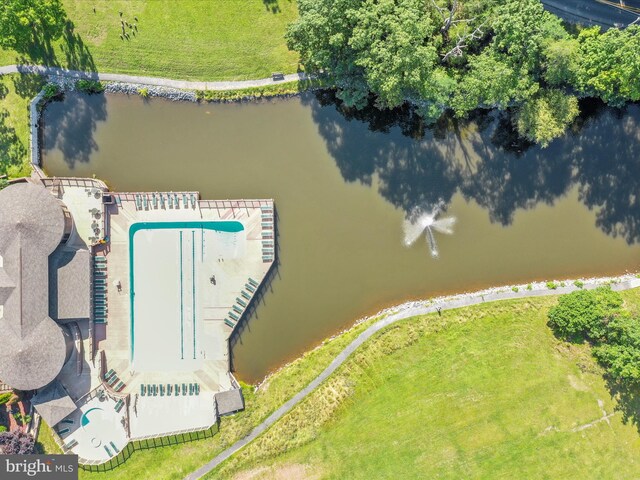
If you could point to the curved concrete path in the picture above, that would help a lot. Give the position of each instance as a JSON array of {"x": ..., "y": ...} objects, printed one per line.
[
  {"x": 160, "y": 82},
  {"x": 405, "y": 311}
]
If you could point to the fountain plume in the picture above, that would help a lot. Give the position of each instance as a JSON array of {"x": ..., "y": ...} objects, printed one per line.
[{"x": 420, "y": 222}]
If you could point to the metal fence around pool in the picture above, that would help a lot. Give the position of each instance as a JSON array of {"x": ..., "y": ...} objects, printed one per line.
[{"x": 149, "y": 443}]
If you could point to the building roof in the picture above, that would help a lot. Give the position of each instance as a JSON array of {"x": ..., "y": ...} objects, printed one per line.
[
  {"x": 53, "y": 403},
  {"x": 32, "y": 225},
  {"x": 70, "y": 285},
  {"x": 230, "y": 401}
]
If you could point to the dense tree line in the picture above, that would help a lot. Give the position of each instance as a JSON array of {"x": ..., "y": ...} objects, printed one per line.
[{"x": 461, "y": 55}]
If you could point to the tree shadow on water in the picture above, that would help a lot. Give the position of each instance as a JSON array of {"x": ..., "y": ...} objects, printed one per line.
[
  {"x": 70, "y": 126},
  {"x": 484, "y": 159}
]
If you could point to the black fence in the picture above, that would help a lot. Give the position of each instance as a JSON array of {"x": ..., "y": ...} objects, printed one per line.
[{"x": 150, "y": 443}]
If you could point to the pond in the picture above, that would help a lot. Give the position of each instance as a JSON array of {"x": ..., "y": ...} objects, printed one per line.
[{"x": 344, "y": 182}]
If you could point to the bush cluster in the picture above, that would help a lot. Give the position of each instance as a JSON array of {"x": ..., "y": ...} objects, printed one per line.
[{"x": 598, "y": 316}]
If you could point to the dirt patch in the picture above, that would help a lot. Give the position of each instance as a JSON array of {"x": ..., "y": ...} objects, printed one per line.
[
  {"x": 294, "y": 471},
  {"x": 577, "y": 384}
]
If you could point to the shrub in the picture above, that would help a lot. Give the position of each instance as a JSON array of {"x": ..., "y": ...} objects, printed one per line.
[
  {"x": 143, "y": 92},
  {"x": 51, "y": 90},
  {"x": 5, "y": 397},
  {"x": 515, "y": 289},
  {"x": 89, "y": 86},
  {"x": 3, "y": 428},
  {"x": 584, "y": 314},
  {"x": 16, "y": 443},
  {"x": 578, "y": 283},
  {"x": 551, "y": 285},
  {"x": 529, "y": 287}
]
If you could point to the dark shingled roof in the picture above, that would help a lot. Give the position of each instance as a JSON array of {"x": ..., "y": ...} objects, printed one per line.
[
  {"x": 53, "y": 403},
  {"x": 230, "y": 401},
  {"x": 70, "y": 285},
  {"x": 32, "y": 225}
]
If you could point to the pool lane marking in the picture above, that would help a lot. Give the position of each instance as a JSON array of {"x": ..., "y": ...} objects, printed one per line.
[
  {"x": 193, "y": 287},
  {"x": 181, "y": 303}
]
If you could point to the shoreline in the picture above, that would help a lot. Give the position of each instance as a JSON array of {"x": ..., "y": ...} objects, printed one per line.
[{"x": 489, "y": 294}]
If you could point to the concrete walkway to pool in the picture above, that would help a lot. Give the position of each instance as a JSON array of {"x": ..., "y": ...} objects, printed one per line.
[
  {"x": 402, "y": 312},
  {"x": 160, "y": 82}
]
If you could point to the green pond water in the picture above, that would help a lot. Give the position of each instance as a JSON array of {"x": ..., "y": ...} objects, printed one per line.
[{"x": 344, "y": 182}]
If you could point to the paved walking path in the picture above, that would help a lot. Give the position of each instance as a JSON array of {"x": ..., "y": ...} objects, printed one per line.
[
  {"x": 161, "y": 82},
  {"x": 405, "y": 311}
]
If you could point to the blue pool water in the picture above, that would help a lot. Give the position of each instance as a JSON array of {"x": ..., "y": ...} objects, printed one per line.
[
  {"x": 230, "y": 226},
  {"x": 85, "y": 417}
]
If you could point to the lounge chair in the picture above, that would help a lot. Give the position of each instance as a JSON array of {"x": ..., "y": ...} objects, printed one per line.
[
  {"x": 241, "y": 302},
  {"x": 245, "y": 295},
  {"x": 250, "y": 288},
  {"x": 253, "y": 282},
  {"x": 71, "y": 444},
  {"x": 237, "y": 309},
  {"x": 115, "y": 449},
  {"x": 184, "y": 389},
  {"x": 63, "y": 431},
  {"x": 177, "y": 389},
  {"x": 193, "y": 201},
  {"x": 229, "y": 323},
  {"x": 234, "y": 316},
  {"x": 67, "y": 420},
  {"x": 141, "y": 390},
  {"x": 169, "y": 389},
  {"x": 197, "y": 386},
  {"x": 108, "y": 451}
]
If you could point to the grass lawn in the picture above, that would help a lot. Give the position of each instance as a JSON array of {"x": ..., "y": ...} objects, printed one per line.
[
  {"x": 16, "y": 91},
  {"x": 46, "y": 443},
  {"x": 484, "y": 392},
  {"x": 185, "y": 39}
]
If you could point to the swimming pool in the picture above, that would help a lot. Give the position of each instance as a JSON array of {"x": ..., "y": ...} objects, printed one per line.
[
  {"x": 85, "y": 420},
  {"x": 168, "y": 264}
]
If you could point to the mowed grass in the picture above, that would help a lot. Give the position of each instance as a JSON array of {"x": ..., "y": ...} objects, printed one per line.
[
  {"x": 16, "y": 91},
  {"x": 483, "y": 392},
  {"x": 185, "y": 39}
]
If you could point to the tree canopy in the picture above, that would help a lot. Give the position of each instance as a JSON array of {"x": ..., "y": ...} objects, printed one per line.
[
  {"x": 26, "y": 22},
  {"x": 466, "y": 54}
]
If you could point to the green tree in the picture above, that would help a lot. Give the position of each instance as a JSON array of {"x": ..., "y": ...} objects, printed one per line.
[
  {"x": 27, "y": 22},
  {"x": 561, "y": 61},
  {"x": 583, "y": 315},
  {"x": 609, "y": 64},
  {"x": 546, "y": 116}
]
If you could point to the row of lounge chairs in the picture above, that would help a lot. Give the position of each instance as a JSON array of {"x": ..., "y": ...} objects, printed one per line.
[
  {"x": 267, "y": 234},
  {"x": 241, "y": 305},
  {"x": 153, "y": 390},
  {"x": 114, "y": 381},
  {"x": 100, "y": 289},
  {"x": 162, "y": 200}
]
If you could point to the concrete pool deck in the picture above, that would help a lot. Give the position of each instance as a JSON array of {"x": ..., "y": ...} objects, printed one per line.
[{"x": 172, "y": 276}]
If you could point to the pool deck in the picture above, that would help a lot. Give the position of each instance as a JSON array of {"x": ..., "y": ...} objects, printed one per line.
[{"x": 239, "y": 261}]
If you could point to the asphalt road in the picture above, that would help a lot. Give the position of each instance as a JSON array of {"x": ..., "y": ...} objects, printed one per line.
[{"x": 606, "y": 13}]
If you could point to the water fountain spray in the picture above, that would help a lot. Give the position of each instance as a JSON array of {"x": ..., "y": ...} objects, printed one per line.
[{"x": 419, "y": 222}]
